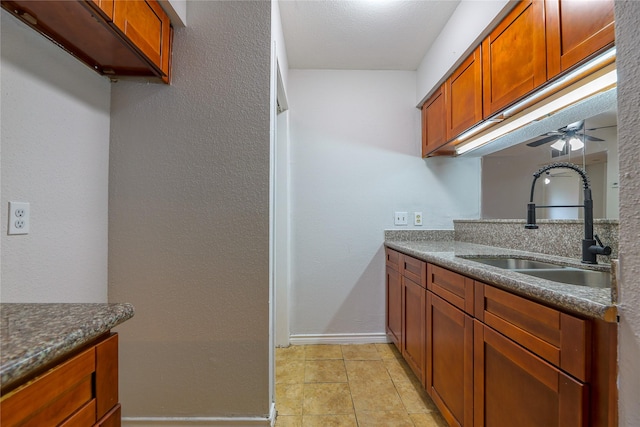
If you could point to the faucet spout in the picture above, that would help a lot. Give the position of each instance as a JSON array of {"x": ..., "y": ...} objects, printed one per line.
[{"x": 589, "y": 247}]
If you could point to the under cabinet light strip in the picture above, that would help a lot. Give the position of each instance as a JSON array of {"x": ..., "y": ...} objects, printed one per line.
[
  {"x": 593, "y": 64},
  {"x": 572, "y": 97}
]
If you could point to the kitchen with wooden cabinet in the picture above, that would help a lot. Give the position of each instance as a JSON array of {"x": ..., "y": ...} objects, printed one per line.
[
  {"x": 493, "y": 357},
  {"x": 179, "y": 181}
]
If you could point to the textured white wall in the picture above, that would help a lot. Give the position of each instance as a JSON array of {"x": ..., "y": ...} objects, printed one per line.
[
  {"x": 355, "y": 159},
  {"x": 189, "y": 221},
  {"x": 55, "y": 155},
  {"x": 627, "y": 15}
]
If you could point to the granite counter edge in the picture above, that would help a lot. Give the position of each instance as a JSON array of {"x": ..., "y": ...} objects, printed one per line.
[
  {"x": 23, "y": 366},
  {"x": 580, "y": 301}
]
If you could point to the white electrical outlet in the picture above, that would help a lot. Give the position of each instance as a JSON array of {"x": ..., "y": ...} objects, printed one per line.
[
  {"x": 18, "y": 218},
  {"x": 417, "y": 218},
  {"x": 400, "y": 218}
]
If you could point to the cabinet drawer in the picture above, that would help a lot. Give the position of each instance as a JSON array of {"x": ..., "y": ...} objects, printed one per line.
[
  {"x": 86, "y": 416},
  {"x": 454, "y": 288},
  {"x": 415, "y": 270},
  {"x": 52, "y": 397},
  {"x": 559, "y": 338},
  {"x": 394, "y": 259}
]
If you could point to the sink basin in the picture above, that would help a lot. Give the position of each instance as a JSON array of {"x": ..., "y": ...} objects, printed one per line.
[
  {"x": 548, "y": 271},
  {"x": 515, "y": 263},
  {"x": 573, "y": 276}
]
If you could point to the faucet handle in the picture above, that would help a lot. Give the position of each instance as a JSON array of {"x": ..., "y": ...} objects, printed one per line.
[
  {"x": 598, "y": 240},
  {"x": 603, "y": 250}
]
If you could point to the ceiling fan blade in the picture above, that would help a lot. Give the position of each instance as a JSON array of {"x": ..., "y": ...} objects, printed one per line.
[
  {"x": 542, "y": 141},
  {"x": 592, "y": 138},
  {"x": 603, "y": 127}
]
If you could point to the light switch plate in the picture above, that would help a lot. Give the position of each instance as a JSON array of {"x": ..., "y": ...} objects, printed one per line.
[{"x": 400, "y": 218}]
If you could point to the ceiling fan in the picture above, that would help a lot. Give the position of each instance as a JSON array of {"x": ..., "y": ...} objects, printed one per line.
[{"x": 574, "y": 134}]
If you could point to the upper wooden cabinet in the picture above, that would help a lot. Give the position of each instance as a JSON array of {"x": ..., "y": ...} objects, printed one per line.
[
  {"x": 105, "y": 6},
  {"x": 434, "y": 123},
  {"x": 575, "y": 31},
  {"x": 147, "y": 26},
  {"x": 463, "y": 95},
  {"x": 514, "y": 57},
  {"x": 115, "y": 38}
]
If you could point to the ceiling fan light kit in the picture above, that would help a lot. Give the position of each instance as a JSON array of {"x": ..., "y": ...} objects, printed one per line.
[{"x": 574, "y": 143}]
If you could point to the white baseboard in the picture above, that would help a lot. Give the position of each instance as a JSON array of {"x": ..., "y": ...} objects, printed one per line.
[
  {"x": 201, "y": 421},
  {"x": 304, "y": 339}
]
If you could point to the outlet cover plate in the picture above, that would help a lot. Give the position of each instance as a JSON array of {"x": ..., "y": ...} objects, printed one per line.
[{"x": 18, "y": 218}]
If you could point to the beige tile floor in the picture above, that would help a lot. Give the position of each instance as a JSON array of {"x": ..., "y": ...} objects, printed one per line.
[{"x": 367, "y": 385}]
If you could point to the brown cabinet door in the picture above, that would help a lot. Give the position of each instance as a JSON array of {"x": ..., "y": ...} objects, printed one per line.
[
  {"x": 513, "y": 387},
  {"x": 394, "y": 307},
  {"x": 111, "y": 419},
  {"x": 514, "y": 57},
  {"x": 106, "y": 378},
  {"x": 449, "y": 376},
  {"x": 106, "y": 7},
  {"x": 413, "y": 326},
  {"x": 463, "y": 95},
  {"x": 434, "y": 123},
  {"x": 576, "y": 29},
  {"x": 559, "y": 338},
  {"x": 147, "y": 26}
]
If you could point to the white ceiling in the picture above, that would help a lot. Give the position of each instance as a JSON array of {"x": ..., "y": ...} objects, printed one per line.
[{"x": 361, "y": 34}]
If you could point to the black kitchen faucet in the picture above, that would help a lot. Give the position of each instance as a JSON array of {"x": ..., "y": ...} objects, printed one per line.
[{"x": 591, "y": 244}]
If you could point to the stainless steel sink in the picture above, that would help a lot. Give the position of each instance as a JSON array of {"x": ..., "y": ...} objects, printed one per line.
[
  {"x": 573, "y": 276},
  {"x": 548, "y": 271},
  {"x": 515, "y": 263}
]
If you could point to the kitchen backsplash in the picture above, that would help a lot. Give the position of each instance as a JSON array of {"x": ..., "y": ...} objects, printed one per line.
[
  {"x": 418, "y": 235},
  {"x": 554, "y": 237}
]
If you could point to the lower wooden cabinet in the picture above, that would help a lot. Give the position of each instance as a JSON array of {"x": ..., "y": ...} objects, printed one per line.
[
  {"x": 406, "y": 308},
  {"x": 413, "y": 325},
  {"x": 394, "y": 307},
  {"x": 79, "y": 391},
  {"x": 394, "y": 297},
  {"x": 514, "y": 387},
  {"x": 449, "y": 378},
  {"x": 489, "y": 358}
]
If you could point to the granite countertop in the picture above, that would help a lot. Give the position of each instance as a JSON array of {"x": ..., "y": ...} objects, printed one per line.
[
  {"x": 590, "y": 302},
  {"x": 34, "y": 335}
]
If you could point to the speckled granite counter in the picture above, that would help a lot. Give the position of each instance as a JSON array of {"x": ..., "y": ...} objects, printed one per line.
[
  {"x": 590, "y": 302},
  {"x": 34, "y": 335}
]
